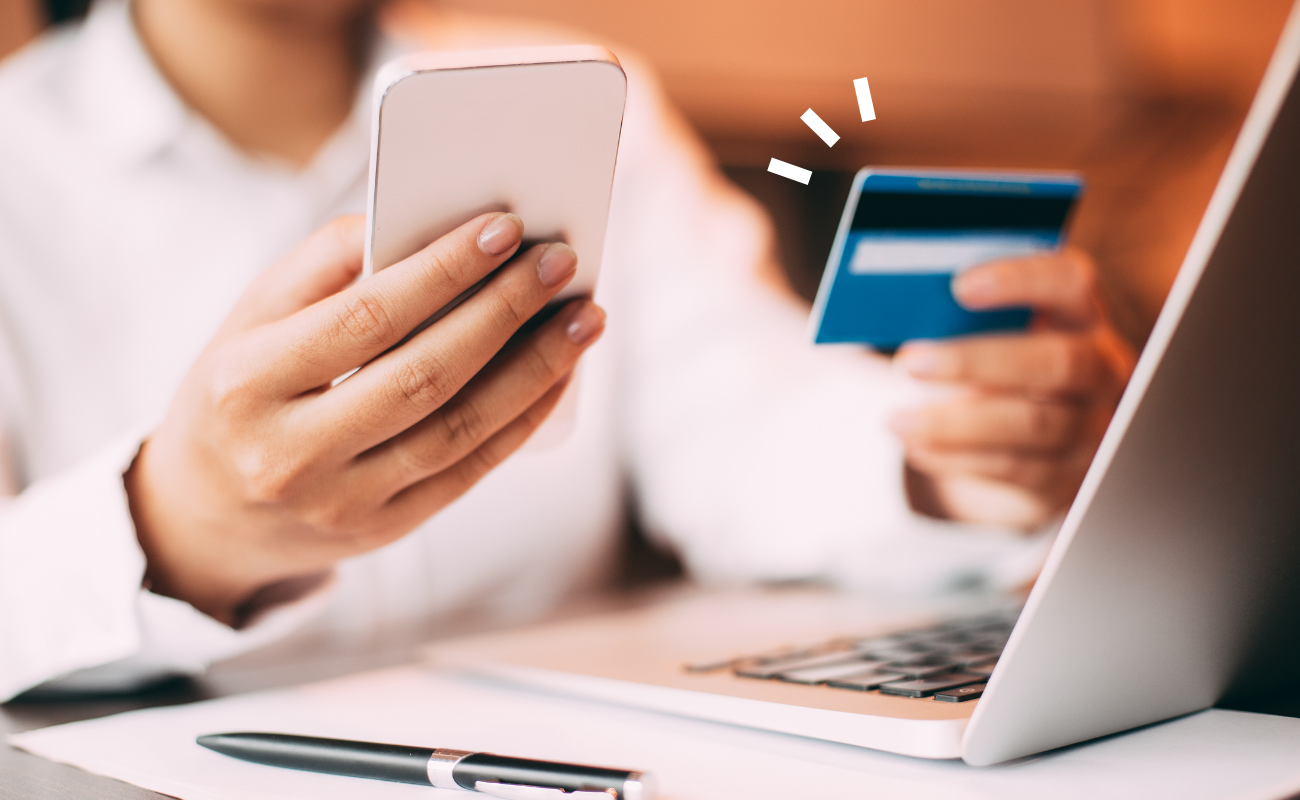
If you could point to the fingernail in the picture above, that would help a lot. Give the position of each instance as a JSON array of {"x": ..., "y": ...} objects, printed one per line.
[
  {"x": 587, "y": 322},
  {"x": 976, "y": 286},
  {"x": 501, "y": 233},
  {"x": 921, "y": 359},
  {"x": 557, "y": 263},
  {"x": 905, "y": 423}
]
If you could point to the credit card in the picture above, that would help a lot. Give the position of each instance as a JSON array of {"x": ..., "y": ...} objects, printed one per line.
[{"x": 903, "y": 236}]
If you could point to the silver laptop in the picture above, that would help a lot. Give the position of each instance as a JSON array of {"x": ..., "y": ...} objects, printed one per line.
[{"x": 1175, "y": 579}]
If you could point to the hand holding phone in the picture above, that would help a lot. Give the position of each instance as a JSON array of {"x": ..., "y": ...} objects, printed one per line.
[{"x": 265, "y": 473}]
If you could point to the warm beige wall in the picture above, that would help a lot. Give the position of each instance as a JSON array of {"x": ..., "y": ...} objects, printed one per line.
[
  {"x": 19, "y": 22},
  {"x": 1026, "y": 80},
  {"x": 1144, "y": 96}
]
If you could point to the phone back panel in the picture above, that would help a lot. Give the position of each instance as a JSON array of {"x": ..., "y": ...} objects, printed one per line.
[{"x": 456, "y": 135}]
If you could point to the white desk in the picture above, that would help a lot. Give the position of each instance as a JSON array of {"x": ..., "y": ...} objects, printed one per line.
[{"x": 1213, "y": 754}]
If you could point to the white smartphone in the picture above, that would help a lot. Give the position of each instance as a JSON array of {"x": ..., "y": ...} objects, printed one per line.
[{"x": 530, "y": 130}]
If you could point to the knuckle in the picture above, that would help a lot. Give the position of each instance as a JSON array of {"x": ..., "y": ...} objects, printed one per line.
[
  {"x": 432, "y": 260},
  {"x": 512, "y": 308},
  {"x": 938, "y": 424},
  {"x": 423, "y": 384},
  {"x": 1082, "y": 364},
  {"x": 1043, "y": 425},
  {"x": 442, "y": 267},
  {"x": 1061, "y": 364},
  {"x": 233, "y": 384},
  {"x": 335, "y": 517},
  {"x": 364, "y": 321},
  {"x": 544, "y": 366},
  {"x": 1004, "y": 466},
  {"x": 344, "y": 229},
  {"x": 264, "y": 477},
  {"x": 460, "y": 424},
  {"x": 476, "y": 464}
]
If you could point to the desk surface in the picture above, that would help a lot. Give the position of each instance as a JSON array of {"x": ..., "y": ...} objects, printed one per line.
[{"x": 25, "y": 776}]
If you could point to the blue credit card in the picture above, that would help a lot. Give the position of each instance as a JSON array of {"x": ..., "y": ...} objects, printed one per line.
[{"x": 906, "y": 233}]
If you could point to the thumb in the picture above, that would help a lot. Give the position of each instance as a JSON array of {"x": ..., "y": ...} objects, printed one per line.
[{"x": 324, "y": 264}]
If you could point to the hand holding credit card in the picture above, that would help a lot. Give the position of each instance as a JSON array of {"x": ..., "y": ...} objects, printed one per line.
[{"x": 904, "y": 235}]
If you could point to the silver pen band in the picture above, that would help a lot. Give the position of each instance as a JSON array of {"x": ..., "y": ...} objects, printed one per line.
[
  {"x": 640, "y": 786},
  {"x": 440, "y": 765}
]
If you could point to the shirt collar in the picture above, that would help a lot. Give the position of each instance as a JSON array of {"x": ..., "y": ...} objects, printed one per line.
[
  {"x": 135, "y": 114},
  {"x": 118, "y": 91}
]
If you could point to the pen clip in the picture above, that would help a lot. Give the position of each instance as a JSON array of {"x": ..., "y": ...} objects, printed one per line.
[{"x": 519, "y": 791}]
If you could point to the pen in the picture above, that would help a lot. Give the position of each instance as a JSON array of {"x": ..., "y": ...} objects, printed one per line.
[{"x": 499, "y": 776}]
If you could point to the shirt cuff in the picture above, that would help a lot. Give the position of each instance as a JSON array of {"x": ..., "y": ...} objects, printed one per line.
[
  {"x": 73, "y": 613},
  {"x": 177, "y": 639}
]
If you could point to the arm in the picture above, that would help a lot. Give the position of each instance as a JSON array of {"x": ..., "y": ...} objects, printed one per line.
[{"x": 263, "y": 475}]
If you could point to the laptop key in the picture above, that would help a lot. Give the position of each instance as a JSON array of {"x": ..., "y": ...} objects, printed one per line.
[
  {"x": 909, "y": 656},
  {"x": 771, "y": 668},
  {"x": 865, "y": 683},
  {"x": 815, "y": 675},
  {"x": 919, "y": 671},
  {"x": 928, "y": 686},
  {"x": 961, "y": 694},
  {"x": 967, "y": 659}
]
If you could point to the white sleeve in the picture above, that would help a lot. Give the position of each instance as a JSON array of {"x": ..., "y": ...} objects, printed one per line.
[
  {"x": 72, "y": 610},
  {"x": 759, "y": 455}
]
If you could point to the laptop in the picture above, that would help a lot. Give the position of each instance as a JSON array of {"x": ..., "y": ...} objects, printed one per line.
[{"x": 1174, "y": 580}]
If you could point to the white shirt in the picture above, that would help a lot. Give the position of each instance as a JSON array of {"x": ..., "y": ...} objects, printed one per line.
[{"x": 128, "y": 228}]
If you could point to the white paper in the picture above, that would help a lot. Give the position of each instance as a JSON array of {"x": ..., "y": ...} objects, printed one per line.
[{"x": 1213, "y": 754}]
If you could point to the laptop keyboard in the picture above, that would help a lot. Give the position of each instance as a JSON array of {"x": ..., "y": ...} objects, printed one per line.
[{"x": 948, "y": 662}]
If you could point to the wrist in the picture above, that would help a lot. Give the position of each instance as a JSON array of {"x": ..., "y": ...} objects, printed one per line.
[{"x": 177, "y": 562}]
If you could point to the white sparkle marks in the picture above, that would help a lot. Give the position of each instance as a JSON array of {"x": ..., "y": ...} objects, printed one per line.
[
  {"x": 865, "y": 105},
  {"x": 779, "y": 167},
  {"x": 820, "y": 127}
]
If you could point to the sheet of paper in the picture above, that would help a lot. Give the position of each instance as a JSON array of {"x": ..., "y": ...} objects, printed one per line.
[{"x": 1213, "y": 754}]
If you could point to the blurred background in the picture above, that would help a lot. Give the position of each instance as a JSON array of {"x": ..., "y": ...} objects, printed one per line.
[{"x": 1143, "y": 96}]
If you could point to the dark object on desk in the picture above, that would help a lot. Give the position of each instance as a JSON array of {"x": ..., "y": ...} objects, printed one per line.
[{"x": 444, "y": 769}]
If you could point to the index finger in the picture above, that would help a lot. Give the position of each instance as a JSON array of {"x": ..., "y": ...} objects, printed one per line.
[
  {"x": 1041, "y": 364},
  {"x": 1062, "y": 284},
  {"x": 345, "y": 331}
]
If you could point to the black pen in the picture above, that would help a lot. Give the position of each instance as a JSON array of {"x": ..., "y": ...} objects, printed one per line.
[{"x": 500, "y": 776}]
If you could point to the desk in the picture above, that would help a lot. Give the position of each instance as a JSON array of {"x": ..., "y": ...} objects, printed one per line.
[{"x": 25, "y": 776}]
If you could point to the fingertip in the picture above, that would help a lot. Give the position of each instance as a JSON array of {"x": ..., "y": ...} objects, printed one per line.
[
  {"x": 557, "y": 264},
  {"x": 921, "y": 359},
  {"x": 500, "y": 233},
  {"x": 905, "y": 423},
  {"x": 978, "y": 287},
  {"x": 585, "y": 324}
]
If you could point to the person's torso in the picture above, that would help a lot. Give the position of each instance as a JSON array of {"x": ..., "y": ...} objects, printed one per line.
[{"x": 119, "y": 259}]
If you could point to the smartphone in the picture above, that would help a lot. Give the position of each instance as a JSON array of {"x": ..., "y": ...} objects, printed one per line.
[
  {"x": 534, "y": 131},
  {"x": 904, "y": 234},
  {"x": 530, "y": 130}
]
